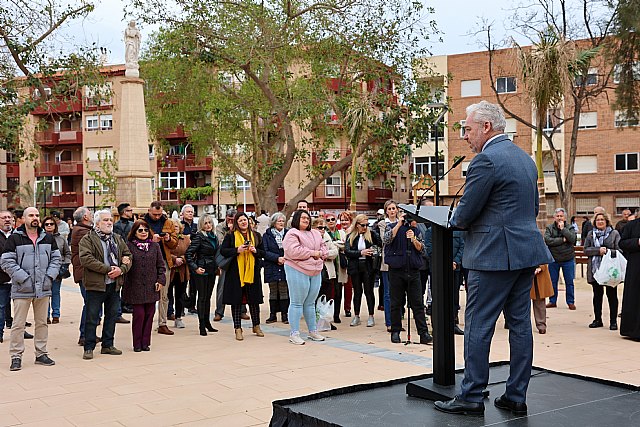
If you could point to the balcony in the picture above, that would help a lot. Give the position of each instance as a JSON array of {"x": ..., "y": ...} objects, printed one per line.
[
  {"x": 168, "y": 195},
  {"x": 176, "y": 134},
  {"x": 187, "y": 163},
  {"x": 67, "y": 200},
  {"x": 202, "y": 200},
  {"x": 13, "y": 170},
  {"x": 379, "y": 195},
  {"x": 65, "y": 168},
  {"x": 65, "y": 137},
  {"x": 58, "y": 106},
  {"x": 331, "y": 193},
  {"x": 333, "y": 155},
  {"x": 93, "y": 104}
]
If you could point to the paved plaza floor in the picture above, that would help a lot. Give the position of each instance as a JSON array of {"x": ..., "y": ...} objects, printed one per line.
[{"x": 191, "y": 380}]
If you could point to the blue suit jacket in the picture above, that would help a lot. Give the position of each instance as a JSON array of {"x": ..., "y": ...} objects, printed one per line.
[{"x": 499, "y": 209}]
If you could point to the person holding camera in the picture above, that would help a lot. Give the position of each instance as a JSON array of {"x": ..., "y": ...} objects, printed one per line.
[
  {"x": 201, "y": 258},
  {"x": 143, "y": 282},
  {"x": 243, "y": 283},
  {"x": 51, "y": 227}
]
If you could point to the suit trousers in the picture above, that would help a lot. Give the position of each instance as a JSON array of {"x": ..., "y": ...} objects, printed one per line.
[
  {"x": 20, "y": 311},
  {"x": 163, "y": 304},
  {"x": 540, "y": 313},
  {"x": 407, "y": 282},
  {"x": 489, "y": 293}
]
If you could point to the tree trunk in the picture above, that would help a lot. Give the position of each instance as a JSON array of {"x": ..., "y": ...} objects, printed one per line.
[{"x": 542, "y": 212}]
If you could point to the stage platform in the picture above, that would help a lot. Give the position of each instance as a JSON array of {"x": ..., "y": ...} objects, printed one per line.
[{"x": 554, "y": 399}]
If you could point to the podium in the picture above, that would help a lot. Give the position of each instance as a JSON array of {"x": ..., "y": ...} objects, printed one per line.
[{"x": 443, "y": 384}]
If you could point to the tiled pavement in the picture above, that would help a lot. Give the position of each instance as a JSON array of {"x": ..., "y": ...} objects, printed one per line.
[{"x": 187, "y": 379}]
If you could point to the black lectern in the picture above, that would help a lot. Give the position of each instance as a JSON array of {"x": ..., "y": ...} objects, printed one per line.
[{"x": 443, "y": 384}]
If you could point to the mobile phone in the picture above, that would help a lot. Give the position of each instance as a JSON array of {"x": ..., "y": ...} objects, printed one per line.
[
  {"x": 247, "y": 243},
  {"x": 162, "y": 234}
]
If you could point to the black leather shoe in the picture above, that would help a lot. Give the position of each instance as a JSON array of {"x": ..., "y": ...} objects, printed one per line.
[
  {"x": 27, "y": 336},
  {"x": 613, "y": 326},
  {"x": 426, "y": 338},
  {"x": 596, "y": 324},
  {"x": 459, "y": 406},
  {"x": 517, "y": 408},
  {"x": 457, "y": 330},
  {"x": 395, "y": 337}
]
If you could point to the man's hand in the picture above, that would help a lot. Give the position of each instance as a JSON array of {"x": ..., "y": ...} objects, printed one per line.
[
  {"x": 115, "y": 272},
  {"x": 126, "y": 260},
  {"x": 560, "y": 225}
]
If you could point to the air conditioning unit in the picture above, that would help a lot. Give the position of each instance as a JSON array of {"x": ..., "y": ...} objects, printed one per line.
[
  {"x": 210, "y": 209},
  {"x": 222, "y": 211},
  {"x": 198, "y": 175}
]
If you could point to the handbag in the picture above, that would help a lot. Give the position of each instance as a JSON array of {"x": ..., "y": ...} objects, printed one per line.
[
  {"x": 343, "y": 260},
  {"x": 222, "y": 261},
  {"x": 612, "y": 270}
]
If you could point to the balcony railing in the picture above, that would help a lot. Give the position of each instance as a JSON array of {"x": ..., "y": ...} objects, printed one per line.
[
  {"x": 65, "y": 168},
  {"x": 379, "y": 195},
  {"x": 58, "y": 106},
  {"x": 13, "y": 170},
  {"x": 332, "y": 155},
  {"x": 324, "y": 192},
  {"x": 201, "y": 200},
  {"x": 66, "y": 137},
  {"x": 67, "y": 200},
  {"x": 196, "y": 164},
  {"x": 168, "y": 195},
  {"x": 180, "y": 163}
]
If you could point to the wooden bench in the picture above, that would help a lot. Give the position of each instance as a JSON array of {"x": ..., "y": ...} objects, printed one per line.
[{"x": 581, "y": 258}]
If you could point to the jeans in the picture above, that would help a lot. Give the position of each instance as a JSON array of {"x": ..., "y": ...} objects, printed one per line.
[
  {"x": 5, "y": 300},
  {"x": 54, "y": 306},
  {"x": 83, "y": 316},
  {"x": 93, "y": 303},
  {"x": 303, "y": 292},
  {"x": 569, "y": 273},
  {"x": 387, "y": 298}
]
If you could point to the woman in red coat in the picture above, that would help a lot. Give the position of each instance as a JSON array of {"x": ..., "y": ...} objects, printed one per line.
[{"x": 143, "y": 283}]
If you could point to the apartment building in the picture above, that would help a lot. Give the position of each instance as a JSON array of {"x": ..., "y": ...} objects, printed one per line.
[{"x": 607, "y": 169}]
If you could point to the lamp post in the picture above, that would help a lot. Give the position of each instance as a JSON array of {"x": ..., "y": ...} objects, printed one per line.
[{"x": 438, "y": 120}]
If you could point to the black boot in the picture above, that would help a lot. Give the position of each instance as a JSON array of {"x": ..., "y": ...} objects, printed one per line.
[
  {"x": 203, "y": 330},
  {"x": 210, "y": 327},
  {"x": 284, "y": 309},
  {"x": 273, "y": 309}
]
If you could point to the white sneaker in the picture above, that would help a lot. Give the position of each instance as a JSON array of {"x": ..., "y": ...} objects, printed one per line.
[
  {"x": 355, "y": 321},
  {"x": 370, "y": 322},
  {"x": 314, "y": 336},
  {"x": 295, "y": 338},
  {"x": 179, "y": 324}
]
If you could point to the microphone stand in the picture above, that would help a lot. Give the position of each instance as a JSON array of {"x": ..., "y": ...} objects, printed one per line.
[{"x": 455, "y": 165}]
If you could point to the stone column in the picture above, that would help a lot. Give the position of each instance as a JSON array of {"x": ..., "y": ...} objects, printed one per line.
[{"x": 134, "y": 175}]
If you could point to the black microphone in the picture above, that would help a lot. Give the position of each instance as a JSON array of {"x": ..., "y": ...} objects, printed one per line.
[
  {"x": 455, "y": 165},
  {"x": 453, "y": 203}
]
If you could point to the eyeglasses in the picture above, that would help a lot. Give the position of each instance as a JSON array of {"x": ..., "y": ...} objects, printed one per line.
[
  {"x": 331, "y": 220},
  {"x": 321, "y": 228},
  {"x": 142, "y": 230},
  {"x": 48, "y": 224},
  {"x": 363, "y": 225}
]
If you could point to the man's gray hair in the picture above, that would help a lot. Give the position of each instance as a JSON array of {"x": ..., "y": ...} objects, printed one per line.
[
  {"x": 485, "y": 111},
  {"x": 558, "y": 210},
  {"x": 185, "y": 207},
  {"x": 98, "y": 214},
  {"x": 79, "y": 214},
  {"x": 231, "y": 212},
  {"x": 275, "y": 217}
]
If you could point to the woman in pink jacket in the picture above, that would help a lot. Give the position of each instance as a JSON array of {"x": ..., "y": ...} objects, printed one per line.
[{"x": 304, "y": 254}]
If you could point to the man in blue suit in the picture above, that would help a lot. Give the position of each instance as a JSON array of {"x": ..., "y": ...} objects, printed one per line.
[{"x": 502, "y": 249}]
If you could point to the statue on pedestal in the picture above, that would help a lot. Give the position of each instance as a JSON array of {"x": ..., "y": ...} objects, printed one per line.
[{"x": 132, "y": 50}]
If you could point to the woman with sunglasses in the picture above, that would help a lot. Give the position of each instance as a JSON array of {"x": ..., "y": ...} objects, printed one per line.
[
  {"x": 243, "y": 283},
  {"x": 50, "y": 227},
  {"x": 304, "y": 252},
  {"x": 338, "y": 238},
  {"x": 143, "y": 282},
  {"x": 358, "y": 250},
  {"x": 201, "y": 257}
]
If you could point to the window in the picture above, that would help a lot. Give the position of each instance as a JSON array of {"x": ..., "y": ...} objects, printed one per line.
[
  {"x": 99, "y": 95},
  {"x": 152, "y": 152},
  {"x": 36, "y": 93},
  {"x": 462, "y": 123},
  {"x": 626, "y": 162},
  {"x": 547, "y": 165},
  {"x": 586, "y": 164},
  {"x": 588, "y": 120},
  {"x": 106, "y": 122},
  {"x": 173, "y": 180},
  {"x": 97, "y": 186},
  {"x": 436, "y": 132},
  {"x": 510, "y": 128},
  {"x": 552, "y": 121},
  {"x": 95, "y": 154},
  {"x": 92, "y": 122},
  {"x": 590, "y": 80},
  {"x": 621, "y": 120},
  {"x": 12, "y": 157},
  {"x": 177, "y": 150},
  {"x": 470, "y": 88},
  {"x": 551, "y": 205},
  {"x": 464, "y": 167},
  {"x": 427, "y": 165},
  {"x": 585, "y": 206},
  {"x": 631, "y": 203},
  {"x": 617, "y": 70},
  {"x": 506, "y": 85},
  {"x": 51, "y": 183},
  {"x": 333, "y": 185},
  {"x": 227, "y": 184}
]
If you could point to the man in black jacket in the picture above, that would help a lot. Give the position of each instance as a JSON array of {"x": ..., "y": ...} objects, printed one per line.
[
  {"x": 122, "y": 228},
  {"x": 5, "y": 280},
  {"x": 561, "y": 239},
  {"x": 402, "y": 253}
]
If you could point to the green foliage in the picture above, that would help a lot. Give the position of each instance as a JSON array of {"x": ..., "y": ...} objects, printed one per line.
[
  {"x": 255, "y": 81},
  {"x": 195, "y": 193},
  {"x": 106, "y": 176}
]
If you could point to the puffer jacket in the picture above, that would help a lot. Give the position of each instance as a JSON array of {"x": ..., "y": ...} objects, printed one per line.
[
  {"x": 92, "y": 259},
  {"x": 32, "y": 268}
]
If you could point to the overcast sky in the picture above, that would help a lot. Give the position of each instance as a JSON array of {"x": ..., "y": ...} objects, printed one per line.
[{"x": 455, "y": 18}]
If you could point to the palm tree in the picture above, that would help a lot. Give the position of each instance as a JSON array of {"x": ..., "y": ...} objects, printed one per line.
[{"x": 358, "y": 120}]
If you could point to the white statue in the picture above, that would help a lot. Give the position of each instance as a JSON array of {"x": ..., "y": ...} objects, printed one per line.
[{"x": 132, "y": 50}]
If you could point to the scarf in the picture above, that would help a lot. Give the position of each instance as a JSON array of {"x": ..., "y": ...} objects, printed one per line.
[
  {"x": 246, "y": 260},
  {"x": 211, "y": 236},
  {"x": 599, "y": 236},
  {"x": 112, "y": 249},
  {"x": 278, "y": 235},
  {"x": 143, "y": 246}
]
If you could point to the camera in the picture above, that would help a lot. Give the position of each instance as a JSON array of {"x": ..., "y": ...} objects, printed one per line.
[
  {"x": 247, "y": 243},
  {"x": 162, "y": 234}
]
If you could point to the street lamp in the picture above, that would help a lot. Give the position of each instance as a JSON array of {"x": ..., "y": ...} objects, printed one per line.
[{"x": 438, "y": 120}]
